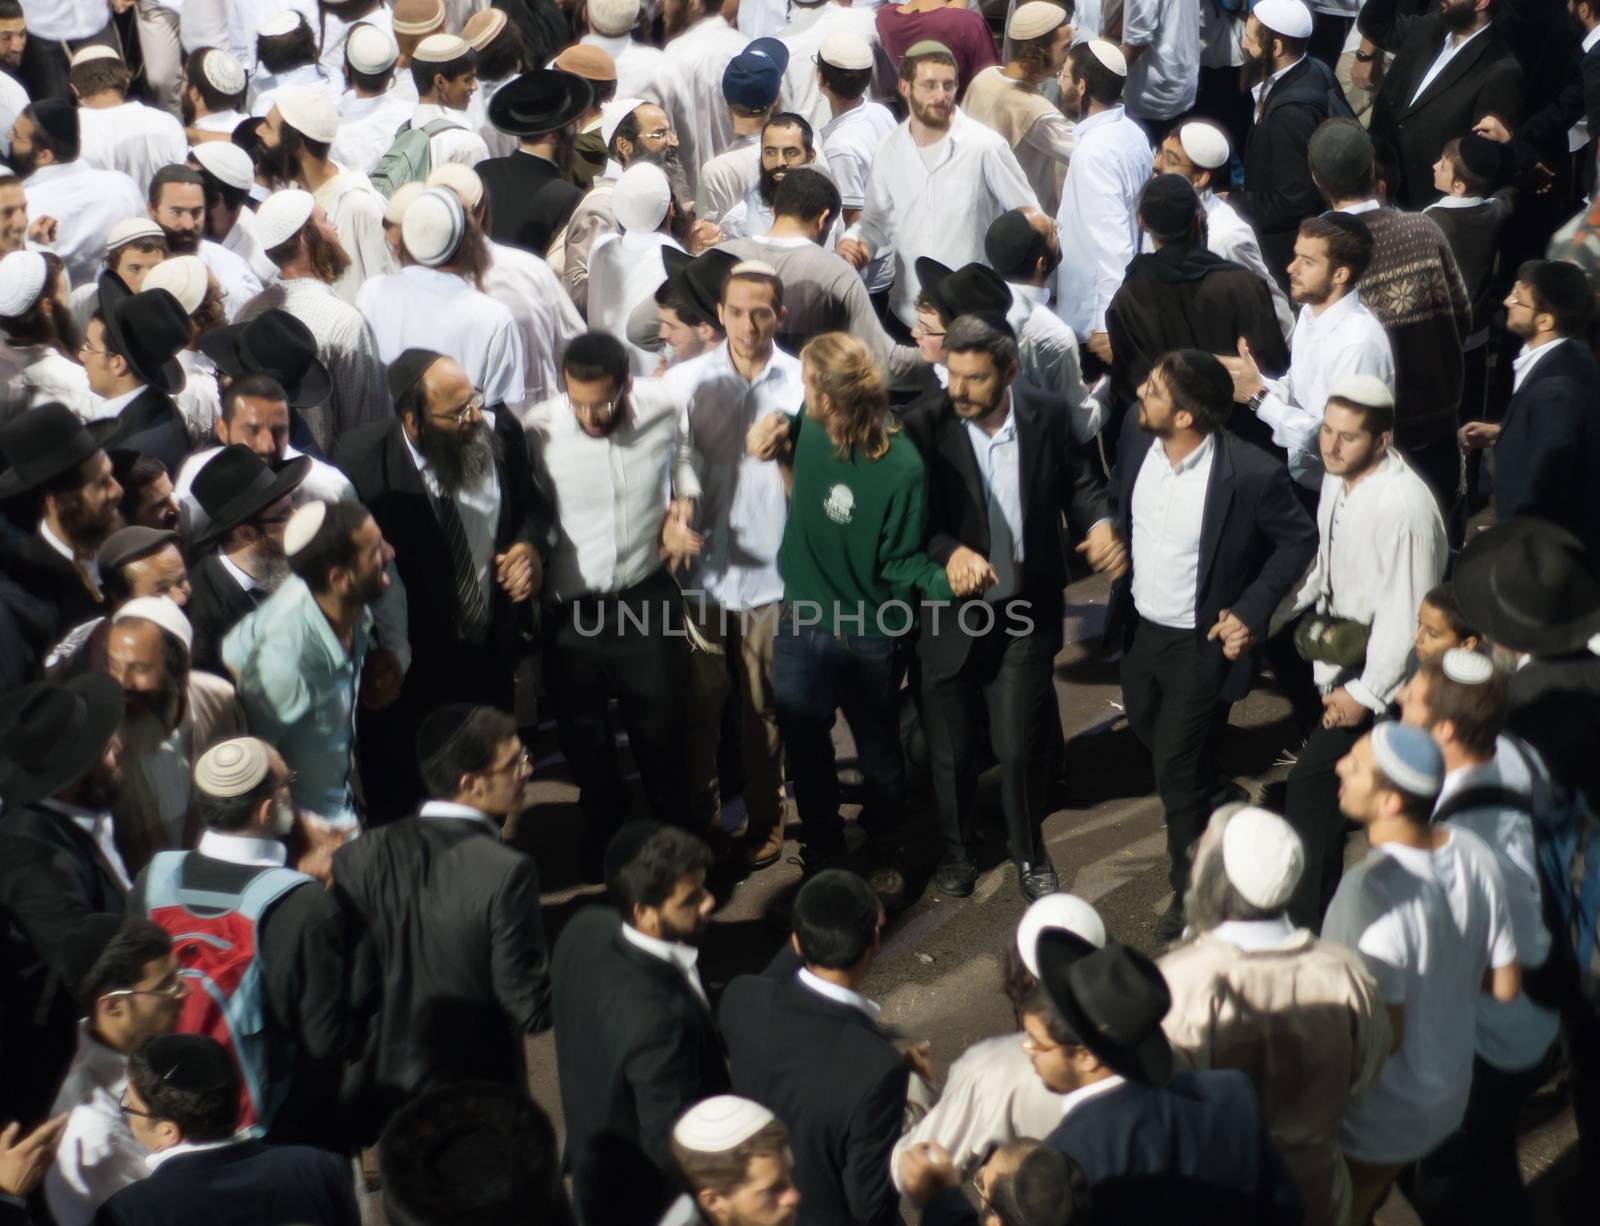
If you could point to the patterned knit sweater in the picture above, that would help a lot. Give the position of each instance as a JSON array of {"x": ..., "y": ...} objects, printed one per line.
[{"x": 1417, "y": 292}]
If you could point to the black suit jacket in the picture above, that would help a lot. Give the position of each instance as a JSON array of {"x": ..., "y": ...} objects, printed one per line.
[
  {"x": 635, "y": 1048},
  {"x": 1547, "y": 461},
  {"x": 452, "y": 969},
  {"x": 1544, "y": 135},
  {"x": 1256, "y": 541},
  {"x": 44, "y": 574},
  {"x": 529, "y": 200},
  {"x": 216, "y": 604},
  {"x": 1192, "y": 1151},
  {"x": 1482, "y": 79},
  {"x": 1056, "y": 478},
  {"x": 154, "y": 426},
  {"x": 245, "y": 1184},
  {"x": 836, "y": 1081},
  {"x": 52, "y": 878}
]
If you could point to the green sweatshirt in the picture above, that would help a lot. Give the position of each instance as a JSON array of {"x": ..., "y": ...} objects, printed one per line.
[{"x": 853, "y": 542}]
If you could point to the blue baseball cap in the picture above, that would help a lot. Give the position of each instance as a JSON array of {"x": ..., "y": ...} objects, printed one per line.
[{"x": 754, "y": 76}]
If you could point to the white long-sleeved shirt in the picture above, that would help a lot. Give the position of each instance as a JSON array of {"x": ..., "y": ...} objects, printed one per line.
[
  {"x": 1381, "y": 546},
  {"x": 335, "y": 32},
  {"x": 702, "y": 53},
  {"x": 236, "y": 278},
  {"x": 743, "y": 502},
  {"x": 458, "y": 144},
  {"x": 98, "y": 1156},
  {"x": 1162, "y": 82},
  {"x": 848, "y": 143},
  {"x": 1047, "y": 353},
  {"x": 939, "y": 200},
  {"x": 1169, "y": 505},
  {"x": 136, "y": 139},
  {"x": 65, "y": 20},
  {"x": 1345, "y": 339},
  {"x": 265, "y": 87},
  {"x": 86, "y": 202},
  {"x": 544, "y": 313},
  {"x": 1230, "y": 236},
  {"x": 356, "y": 209},
  {"x": 1098, "y": 217},
  {"x": 804, "y": 35},
  {"x": 624, "y": 270},
  {"x": 367, "y": 127}
]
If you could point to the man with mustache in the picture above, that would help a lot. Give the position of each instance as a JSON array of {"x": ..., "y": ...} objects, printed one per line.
[
  {"x": 41, "y": 334},
  {"x": 177, "y": 204},
  {"x": 787, "y": 141}
]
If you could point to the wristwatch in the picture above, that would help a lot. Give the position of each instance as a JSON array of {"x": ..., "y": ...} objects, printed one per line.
[{"x": 1255, "y": 402}]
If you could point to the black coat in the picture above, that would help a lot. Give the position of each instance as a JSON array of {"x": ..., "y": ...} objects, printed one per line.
[
  {"x": 1184, "y": 297},
  {"x": 52, "y": 878},
  {"x": 245, "y": 1184},
  {"x": 635, "y": 1048},
  {"x": 529, "y": 200},
  {"x": 48, "y": 577},
  {"x": 216, "y": 604},
  {"x": 1544, "y": 135},
  {"x": 1256, "y": 541},
  {"x": 1483, "y": 79},
  {"x": 1194, "y": 1151},
  {"x": 1547, "y": 461},
  {"x": 1056, "y": 478},
  {"x": 1278, "y": 189},
  {"x": 836, "y": 1081},
  {"x": 452, "y": 969},
  {"x": 156, "y": 427}
]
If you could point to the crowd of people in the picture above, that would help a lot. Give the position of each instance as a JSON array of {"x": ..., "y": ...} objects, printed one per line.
[{"x": 390, "y": 389}]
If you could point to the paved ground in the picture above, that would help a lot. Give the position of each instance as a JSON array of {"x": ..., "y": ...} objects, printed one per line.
[{"x": 939, "y": 974}]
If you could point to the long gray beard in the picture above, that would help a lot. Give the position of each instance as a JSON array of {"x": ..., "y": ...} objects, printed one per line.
[{"x": 273, "y": 569}]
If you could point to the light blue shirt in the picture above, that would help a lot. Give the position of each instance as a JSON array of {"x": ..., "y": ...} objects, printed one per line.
[
  {"x": 998, "y": 464},
  {"x": 299, "y": 690}
]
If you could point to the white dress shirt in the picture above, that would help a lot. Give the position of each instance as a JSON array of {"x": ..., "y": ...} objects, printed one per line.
[
  {"x": 1452, "y": 47},
  {"x": 538, "y": 302},
  {"x": 244, "y": 243},
  {"x": 1098, "y": 218},
  {"x": 839, "y": 995},
  {"x": 702, "y": 52},
  {"x": 367, "y": 127},
  {"x": 1047, "y": 353},
  {"x": 477, "y": 502},
  {"x": 266, "y": 86},
  {"x": 245, "y": 849},
  {"x": 238, "y": 283},
  {"x": 198, "y": 400},
  {"x": 97, "y": 825},
  {"x": 356, "y": 209},
  {"x": 86, "y": 202},
  {"x": 97, "y": 1156},
  {"x": 609, "y": 494},
  {"x": 675, "y": 953},
  {"x": 744, "y": 504},
  {"x": 221, "y": 121},
  {"x": 1522, "y": 365},
  {"x": 1230, "y": 236},
  {"x": 335, "y": 32},
  {"x": 56, "y": 21},
  {"x": 1345, "y": 339},
  {"x": 136, "y": 139},
  {"x": 49, "y": 375},
  {"x": 999, "y": 459},
  {"x": 458, "y": 144},
  {"x": 437, "y": 809},
  {"x": 1162, "y": 82},
  {"x": 759, "y": 18},
  {"x": 848, "y": 143},
  {"x": 624, "y": 270},
  {"x": 650, "y": 73},
  {"x": 244, "y": 21},
  {"x": 431, "y": 308},
  {"x": 804, "y": 35},
  {"x": 727, "y": 178},
  {"x": 500, "y": 144},
  {"x": 940, "y": 209},
  {"x": 1169, "y": 505}
]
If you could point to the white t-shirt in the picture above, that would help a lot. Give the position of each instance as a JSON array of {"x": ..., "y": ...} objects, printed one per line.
[{"x": 1428, "y": 925}]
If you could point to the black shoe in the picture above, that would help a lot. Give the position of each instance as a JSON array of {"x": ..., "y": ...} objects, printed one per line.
[
  {"x": 1036, "y": 879},
  {"x": 955, "y": 878},
  {"x": 1172, "y": 923}
]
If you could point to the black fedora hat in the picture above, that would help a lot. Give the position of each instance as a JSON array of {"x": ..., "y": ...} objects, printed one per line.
[
  {"x": 972, "y": 289},
  {"x": 1114, "y": 999},
  {"x": 535, "y": 103},
  {"x": 47, "y": 441},
  {"x": 52, "y": 733},
  {"x": 699, "y": 278},
  {"x": 1529, "y": 586},
  {"x": 147, "y": 329},
  {"x": 236, "y": 483},
  {"x": 274, "y": 343}
]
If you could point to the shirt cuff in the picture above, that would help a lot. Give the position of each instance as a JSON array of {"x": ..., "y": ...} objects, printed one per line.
[{"x": 1365, "y": 697}]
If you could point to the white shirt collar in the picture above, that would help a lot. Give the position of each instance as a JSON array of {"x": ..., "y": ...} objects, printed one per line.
[
  {"x": 684, "y": 957},
  {"x": 56, "y": 543},
  {"x": 1366, "y": 206},
  {"x": 1527, "y": 358},
  {"x": 115, "y": 404},
  {"x": 1332, "y": 314},
  {"x": 1110, "y": 115},
  {"x": 1071, "y": 1102},
  {"x": 1255, "y": 934},
  {"x": 1279, "y": 75},
  {"x": 843, "y": 996},
  {"x": 243, "y": 849},
  {"x": 1189, "y": 462},
  {"x": 241, "y": 576},
  {"x": 449, "y": 809},
  {"x": 107, "y": 1066},
  {"x": 1006, "y": 433},
  {"x": 1591, "y": 38},
  {"x": 1456, "y": 202},
  {"x": 190, "y": 1147},
  {"x": 1450, "y": 39}
]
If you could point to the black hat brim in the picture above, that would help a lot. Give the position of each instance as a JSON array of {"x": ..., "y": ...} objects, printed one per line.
[
  {"x": 221, "y": 345},
  {"x": 577, "y": 97},
  {"x": 1476, "y": 581},
  {"x": 71, "y": 757},
  {"x": 1148, "y": 1061},
  {"x": 166, "y": 378},
  {"x": 287, "y": 476},
  {"x": 102, "y": 434}
]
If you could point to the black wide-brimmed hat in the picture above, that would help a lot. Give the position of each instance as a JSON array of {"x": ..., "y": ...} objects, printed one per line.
[
  {"x": 51, "y": 734},
  {"x": 236, "y": 483},
  {"x": 699, "y": 277},
  {"x": 539, "y": 102},
  {"x": 148, "y": 329},
  {"x": 1529, "y": 586},
  {"x": 274, "y": 343},
  {"x": 1114, "y": 1000},
  {"x": 44, "y": 442},
  {"x": 972, "y": 289}
]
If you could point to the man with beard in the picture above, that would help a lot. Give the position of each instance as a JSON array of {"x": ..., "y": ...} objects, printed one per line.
[
  {"x": 370, "y": 112},
  {"x": 991, "y": 433},
  {"x": 13, "y": 213},
  {"x": 212, "y": 101},
  {"x": 188, "y": 280},
  {"x": 173, "y": 714},
  {"x": 787, "y": 141},
  {"x": 58, "y": 460},
  {"x": 83, "y": 202},
  {"x": 42, "y": 338},
  {"x": 751, "y": 88},
  {"x": 230, "y": 176},
  {"x": 178, "y": 206},
  {"x": 239, "y": 559},
  {"x": 1451, "y": 69},
  {"x": 148, "y": 500},
  {"x": 59, "y": 866},
  {"x": 13, "y": 37},
  {"x": 645, "y": 71},
  {"x": 295, "y": 140},
  {"x": 532, "y": 198},
  {"x": 134, "y": 561},
  {"x": 448, "y": 482},
  {"x": 938, "y": 181},
  {"x": 310, "y": 262}
]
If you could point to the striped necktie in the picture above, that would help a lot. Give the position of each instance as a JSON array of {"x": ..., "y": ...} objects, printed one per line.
[{"x": 472, "y": 611}]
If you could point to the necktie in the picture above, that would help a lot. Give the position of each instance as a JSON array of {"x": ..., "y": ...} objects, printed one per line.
[
  {"x": 1002, "y": 547},
  {"x": 472, "y": 611},
  {"x": 83, "y": 574}
]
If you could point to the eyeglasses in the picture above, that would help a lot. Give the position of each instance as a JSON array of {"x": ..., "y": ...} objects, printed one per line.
[
  {"x": 920, "y": 329},
  {"x": 601, "y": 408},
  {"x": 658, "y": 134},
  {"x": 86, "y": 347},
  {"x": 466, "y": 412},
  {"x": 122, "y": 1106},
  {"x": 522, "y": 759},
  {"x": 168, "y": 991}
]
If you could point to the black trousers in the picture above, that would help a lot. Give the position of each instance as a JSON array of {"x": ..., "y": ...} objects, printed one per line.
[
  {"x": 629, "y": 647},
  {"x": 1011, "y": 675},
  {"x": 1311, "y": 806},
  {"x": 1170, "y": 688},
  {"x": 1580, "y": 1038}
]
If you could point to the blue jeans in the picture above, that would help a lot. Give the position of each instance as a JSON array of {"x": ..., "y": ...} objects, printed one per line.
[{"x": 815, "y": 672}]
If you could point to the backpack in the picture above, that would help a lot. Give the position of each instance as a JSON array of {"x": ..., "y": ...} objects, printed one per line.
[
  {"x": 407, "y": 160},
  {"x": 1566, "y": 840},
  {"x": 215, "y": 937}
]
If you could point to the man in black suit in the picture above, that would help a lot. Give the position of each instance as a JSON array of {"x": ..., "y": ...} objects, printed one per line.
[
  {"x": 529, "y": 196},
  {"x": 453, "y": 969},
  {"x": 808, "y": 1048},
  {"x": 1155, "y": 1146},
  {"x": 1217, "y": 538},
  {"x": 182, "y": 1104},
  {"x": 448, "y": 481},
  {"x": 635, "y": 1041},
  {"x": 1002, "y": 470},
  {"x": 1547, "y": 446},
  {"x": 130, "y": 355},
  {"x": 58, "y": 866},
  {"x": 1451, "y": 68}
]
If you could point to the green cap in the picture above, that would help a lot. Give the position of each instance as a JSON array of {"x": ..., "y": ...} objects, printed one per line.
[{"x": 927, "y": 46}]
